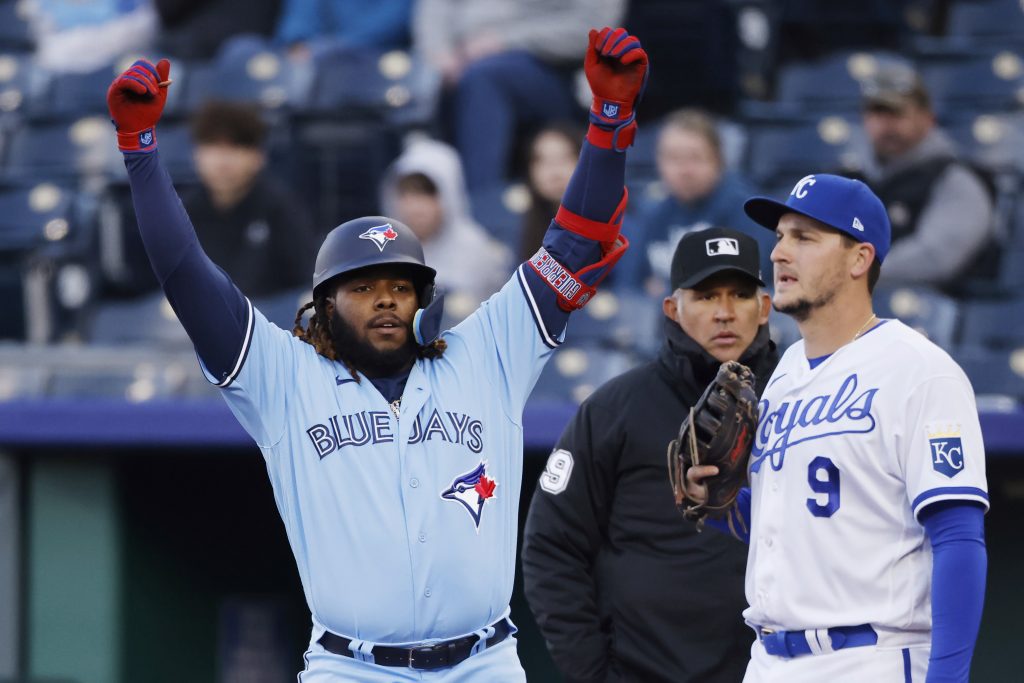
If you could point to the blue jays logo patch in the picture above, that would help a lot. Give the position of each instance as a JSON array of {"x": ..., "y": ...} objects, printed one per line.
[
  {"x": 146, "y": 138},
  {"x": 380, "y": 235},
  {"x": 471, "y": 490},
  {"x": 610, "y": 110},
  {"x": 947, "y": 455}
]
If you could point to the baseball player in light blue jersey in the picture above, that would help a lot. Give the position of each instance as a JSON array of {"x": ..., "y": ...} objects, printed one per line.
[
  {"x": 867, "y": 477},
  {"x": 395, "y": 452}
]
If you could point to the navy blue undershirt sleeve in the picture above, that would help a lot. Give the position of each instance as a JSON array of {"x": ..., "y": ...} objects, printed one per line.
[
  {"x": 214, "y": 313},
  {"x": 737, "y": 522},
  {"x": 594, "y": 192},
  {"x": 957, "y": 533}
]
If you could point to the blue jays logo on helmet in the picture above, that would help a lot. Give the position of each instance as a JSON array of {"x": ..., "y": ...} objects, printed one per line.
[
  {"x": 380, "y": 235},
  {"x": 471, "y": 490}
]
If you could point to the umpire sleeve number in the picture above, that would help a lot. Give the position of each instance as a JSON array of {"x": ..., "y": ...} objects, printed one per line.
[
  {"x": 823, "y": 478},
  {"x": 556, "y": 473}
]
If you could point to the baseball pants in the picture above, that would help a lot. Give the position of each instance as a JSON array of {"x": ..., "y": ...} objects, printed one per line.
[{"x": 852, "y": 665}]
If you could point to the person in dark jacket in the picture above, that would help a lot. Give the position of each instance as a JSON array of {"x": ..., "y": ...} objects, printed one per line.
[
  {"x": 622, "y": 587},
  {"x": 248, "y": 221}
]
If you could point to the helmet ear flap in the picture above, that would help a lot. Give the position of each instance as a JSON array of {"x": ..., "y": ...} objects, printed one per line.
[{"x": 426, "y": 324}]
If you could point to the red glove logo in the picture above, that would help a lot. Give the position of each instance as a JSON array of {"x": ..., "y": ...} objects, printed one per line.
[{"x": 136, "y": 100}]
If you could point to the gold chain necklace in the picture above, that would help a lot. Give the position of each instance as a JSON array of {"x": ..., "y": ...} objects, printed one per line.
[{"x": 862, "y": 328}]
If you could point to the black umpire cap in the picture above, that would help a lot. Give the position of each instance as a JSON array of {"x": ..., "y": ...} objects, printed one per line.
[{"x": 702, "y": 253}]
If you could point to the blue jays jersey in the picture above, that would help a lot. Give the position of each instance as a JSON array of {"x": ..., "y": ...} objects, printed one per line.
[
  {"x": 846, "y": 456},
  {"x": 402, "y": 520}
]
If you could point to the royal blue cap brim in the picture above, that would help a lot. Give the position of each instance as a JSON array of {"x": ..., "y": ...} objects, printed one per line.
[{"x": 766, "y": 211}]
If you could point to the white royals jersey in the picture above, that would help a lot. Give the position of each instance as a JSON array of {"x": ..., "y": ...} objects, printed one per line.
[
  {"x": 846, "y": 456},
  {"x": 403, "y": 526}
]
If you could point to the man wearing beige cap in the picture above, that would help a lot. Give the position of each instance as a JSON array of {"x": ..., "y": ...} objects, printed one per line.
[{"x": 940, "y": 210}]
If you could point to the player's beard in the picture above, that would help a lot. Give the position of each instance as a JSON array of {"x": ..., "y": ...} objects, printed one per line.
[
  {"x": 363, "y": 356},
  {"x": 801, "y": 309}
]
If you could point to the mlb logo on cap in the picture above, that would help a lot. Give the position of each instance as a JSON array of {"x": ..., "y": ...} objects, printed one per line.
[
  {"x": 722, "y": 246},
  {"x": 846, "y": 205}
]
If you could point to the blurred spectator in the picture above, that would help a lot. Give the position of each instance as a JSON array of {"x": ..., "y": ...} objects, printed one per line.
[
  {"x": 248, "y": 223},
  {"x": 195, "y": 29},
  {"x": 940, "y": 209},
  {"x": 79, "y": 37},
  {"x": 424, "y": 189},
  {"x": 701, "y": 193},
  {"x": 552, "y": 155},
  {"x": 510, "y": 63},
  {"x": 308, "y": 25}
]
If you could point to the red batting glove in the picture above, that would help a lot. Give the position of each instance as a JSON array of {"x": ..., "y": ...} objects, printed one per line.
[
  {"x": 136, "y": 100},
  {"x": 616, "y": 68}
]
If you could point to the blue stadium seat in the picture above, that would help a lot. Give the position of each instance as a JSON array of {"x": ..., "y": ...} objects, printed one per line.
[
  {"x": 23, "y": 85},
  {"x": 575, "y": 372},
  {"x": 994, "y": 373},
  {"x": 978, "y": 83},
  {"x": 147, "y": 320},
  {"x": 780, "y": 154},
  {"x": 993, "y": 324},
  {"x": 60, "y": 150},
  {"x": 395, "y": 85},
  {"x": 832, "y": 84},
  {"x": 995, "y": 141},
  {"x": 281, "y": 308},
  {"x": 248, "y": 71},
  {"x": 15, "y": 33},
  {"x": 624, "y": 320},
  {"x": 500, "y": 211},
  {"x": 932, "y": 314},
  {"x": 989, "y": 22},
  {"x": 34, "y": 216}
]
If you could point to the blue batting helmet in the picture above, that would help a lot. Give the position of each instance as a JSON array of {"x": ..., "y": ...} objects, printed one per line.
[{"x": 378, "y": 241}]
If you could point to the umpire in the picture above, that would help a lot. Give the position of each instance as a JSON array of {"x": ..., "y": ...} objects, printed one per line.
[{"x": 621, "y": 586}]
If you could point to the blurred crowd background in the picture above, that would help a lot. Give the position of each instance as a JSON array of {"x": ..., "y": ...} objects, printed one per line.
[
  {"x": 463, "y": 119},
  {"x": 135, "y": 544}
]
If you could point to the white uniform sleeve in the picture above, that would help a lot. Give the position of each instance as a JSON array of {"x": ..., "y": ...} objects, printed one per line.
[
  {"x": 942, "y": 454},
  {"x": 256, "y": 389}
]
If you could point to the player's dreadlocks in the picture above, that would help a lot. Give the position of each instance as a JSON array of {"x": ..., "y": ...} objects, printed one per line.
[{"x": 318, "y": 335}]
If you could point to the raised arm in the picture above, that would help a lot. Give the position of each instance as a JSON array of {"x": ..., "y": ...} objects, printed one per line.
[
  {"x": 216, "y": 316},
  {"x": 583, "y": 242}
]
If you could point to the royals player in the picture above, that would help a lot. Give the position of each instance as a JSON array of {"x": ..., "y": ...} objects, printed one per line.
[
  {"x": 395, "y": 456},
  {"x": 867, "y": 478}
]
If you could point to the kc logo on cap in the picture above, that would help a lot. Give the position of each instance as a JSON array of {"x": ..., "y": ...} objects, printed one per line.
[
  {"x": 723, "y": 246},
  {"x": 800, "y": 189}
]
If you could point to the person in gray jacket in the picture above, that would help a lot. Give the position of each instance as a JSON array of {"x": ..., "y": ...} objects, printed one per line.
[
  {"x": 509, "y": 63},
  {"x": 940, "y": 208}
]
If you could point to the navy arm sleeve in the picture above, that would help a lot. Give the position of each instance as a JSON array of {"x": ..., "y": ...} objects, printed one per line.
[
  {"x": 214, "y": 313},
  {"x": 594, "y": 192},
  {"x": 737, "y": 522},
  {"x": 564, "y": 531},
  {"x": 957, "y": 533}
]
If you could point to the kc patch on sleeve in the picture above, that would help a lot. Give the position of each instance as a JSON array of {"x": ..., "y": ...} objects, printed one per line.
[{"x": 947, "y": 450}]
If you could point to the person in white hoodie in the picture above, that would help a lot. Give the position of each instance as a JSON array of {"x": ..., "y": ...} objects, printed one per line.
[{"x": 425, "y": 189}]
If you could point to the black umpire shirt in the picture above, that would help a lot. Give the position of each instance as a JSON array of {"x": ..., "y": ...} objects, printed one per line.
[{"x": 622, "y": 587}]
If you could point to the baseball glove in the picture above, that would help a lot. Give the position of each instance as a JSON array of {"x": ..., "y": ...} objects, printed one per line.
[{"x": 718, "y": 431}]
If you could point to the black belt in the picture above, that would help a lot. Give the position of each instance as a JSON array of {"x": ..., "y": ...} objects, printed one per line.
[{"x": 437, "y": 656}]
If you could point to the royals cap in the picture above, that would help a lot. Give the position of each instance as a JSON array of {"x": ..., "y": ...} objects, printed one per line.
[
  {"x": 701, "y": 254},
  {"x": 847, "y": 205}
]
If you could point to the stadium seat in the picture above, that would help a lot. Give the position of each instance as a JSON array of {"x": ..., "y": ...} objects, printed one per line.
[
  {"x": 986, "y": 22},
  {"x": 832, "y": 84},
  {"x": 993, "y": 324},
  {"x": 60, "y": 150},
  {"x": 33, "y": 216},
  {"x": 23, "y": 85},
  {"x": 250, "y": 71},
  {"x": 978, "y": 83},
  {"x": 994, "y": 373},
  {"x": 995, "y": 141},
  {"x": 932, "y": 314},
  {"x": 779, "y": 154},
  {"x": 281, "y": 308},
  {"x": 15, "y": 32},
  {"x": 395, "y": 86},
  {"x": 500, "y": 211},
  {"x": 147, "y": 320},
  {"x": 574, "y": 373},
  {"x": 624, "y": 320}
]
